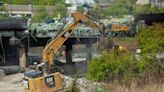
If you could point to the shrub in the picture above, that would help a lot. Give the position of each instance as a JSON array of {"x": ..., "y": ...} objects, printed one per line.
[
  {"x": 109, "y": 67},
  {"x": 151, "y": 38},
  {"x": 123, "y": 68}
]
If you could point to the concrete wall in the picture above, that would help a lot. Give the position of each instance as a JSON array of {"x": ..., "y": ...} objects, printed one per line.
[{"x": 29, "y": 9}]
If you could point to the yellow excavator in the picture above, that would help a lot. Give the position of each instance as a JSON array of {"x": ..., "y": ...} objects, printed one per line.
[{"x": 44, "y": 78}]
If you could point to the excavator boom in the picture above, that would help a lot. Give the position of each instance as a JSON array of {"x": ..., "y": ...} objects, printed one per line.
[{"x": 53, "y": 46}]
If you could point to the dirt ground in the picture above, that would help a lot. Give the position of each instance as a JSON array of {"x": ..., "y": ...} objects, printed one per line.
[{"x": 12, "y": 83}]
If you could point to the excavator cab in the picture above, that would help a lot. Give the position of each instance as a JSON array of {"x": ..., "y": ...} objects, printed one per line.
[{"x": 36, "y": 81}]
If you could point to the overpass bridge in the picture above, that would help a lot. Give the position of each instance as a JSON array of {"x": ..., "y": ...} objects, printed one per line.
[
  {"x": 80, "y": 36},
  {"x": 16, "y": 54}
]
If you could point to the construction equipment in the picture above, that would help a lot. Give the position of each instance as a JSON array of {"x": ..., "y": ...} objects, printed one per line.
[
  {"x": 118, "y": 30},
  {"x": 117, "y": 27},
  {"x": 45, "y": 78}
]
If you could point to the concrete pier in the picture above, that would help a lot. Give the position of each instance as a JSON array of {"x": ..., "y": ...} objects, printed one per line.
[
  {"x": 2, "y": 74},
  {"x": 89, "y": 51},
  {"x": 22, "y": 57},
  {"x": 69, "y": 53}
]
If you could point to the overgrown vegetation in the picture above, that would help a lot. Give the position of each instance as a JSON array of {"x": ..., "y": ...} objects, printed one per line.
[
  {"x": 125, "y": 67},
  {"x": 121, "y": 7},
  {"x": 35, "y": 2},
  {"x": 42, "y": 14},
  {"x": 151, "y": 39},
  {"x": 3, "y": 17},
  {"x": 117, "y": 68},
  {"x": 60, "y": 8}
]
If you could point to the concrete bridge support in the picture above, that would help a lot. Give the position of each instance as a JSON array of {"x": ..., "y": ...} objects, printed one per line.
[
  {"x": 88, "y": 44},
  {"x": 69, "y": 53},
  {"x": 22, "y": 57},
  {"x": 89, "y": 51}
]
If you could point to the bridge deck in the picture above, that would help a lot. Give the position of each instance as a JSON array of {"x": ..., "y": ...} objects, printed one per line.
[{"x": 13, "y": 24}]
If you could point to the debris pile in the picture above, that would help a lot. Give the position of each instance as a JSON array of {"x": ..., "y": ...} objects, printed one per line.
[{"x": 84, "y": 84}]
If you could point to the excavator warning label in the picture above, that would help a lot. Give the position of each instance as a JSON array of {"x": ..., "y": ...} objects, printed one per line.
[
  {"x": 25, "y": 83},
  {"x": 50, "y": 81}
]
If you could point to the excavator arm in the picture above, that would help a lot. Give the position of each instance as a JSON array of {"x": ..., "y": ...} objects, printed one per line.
[
  {"x": 43, "y": 79},
  {"x": 53, "y": 46}
]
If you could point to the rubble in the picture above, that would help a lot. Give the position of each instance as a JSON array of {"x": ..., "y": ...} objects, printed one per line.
[{"x": 84, "y": 84}]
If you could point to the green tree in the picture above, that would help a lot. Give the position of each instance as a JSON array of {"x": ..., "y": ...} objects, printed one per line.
[
  {"x": 60, "y": 8},
  {"x": 36, "y": 2},
  {"x": 121, "y": 7},
  {"x": 39, "y": 17},
  {"x": 122, "y": 68},
  {"x": 80, "y": 9},
  {"x": 117, "y": 7},
  {"x": 144, "y": 9}
]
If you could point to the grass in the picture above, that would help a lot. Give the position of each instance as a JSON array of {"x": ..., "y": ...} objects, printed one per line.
[
  {"x": 134, "y": 88},
  {"x": 128, "y": 42},
  {"x": 126, "y": 39}
]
